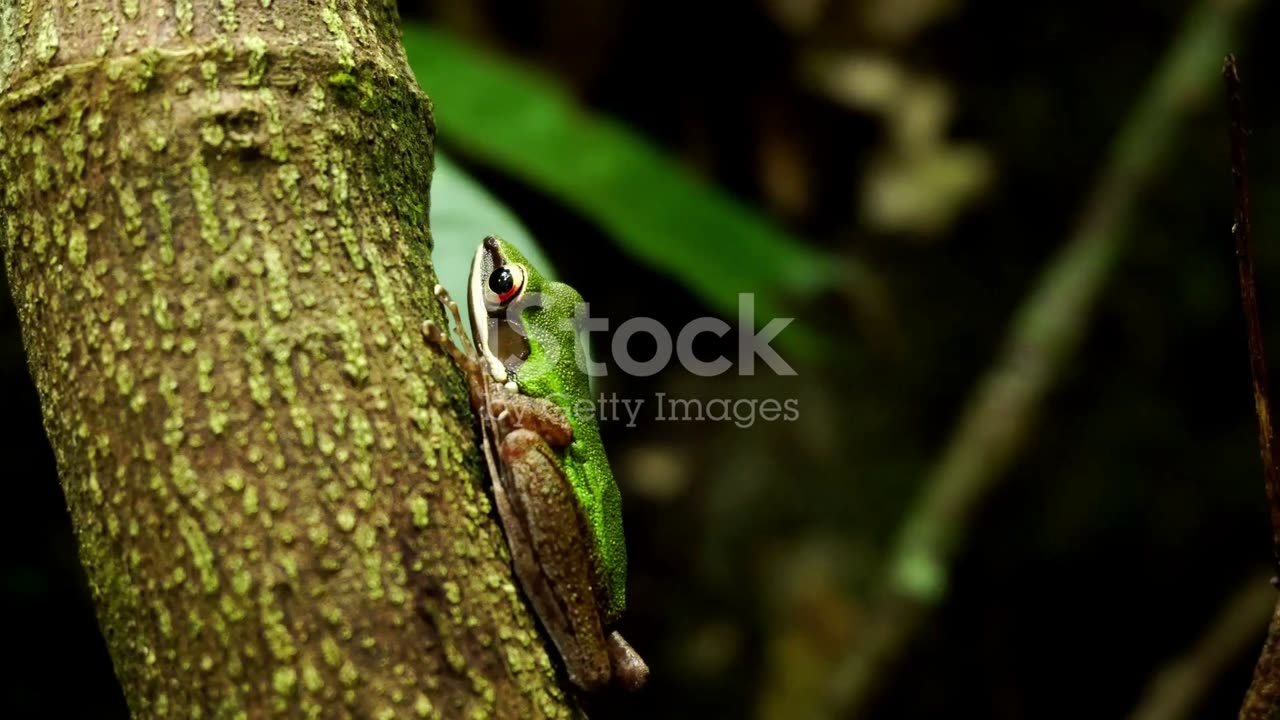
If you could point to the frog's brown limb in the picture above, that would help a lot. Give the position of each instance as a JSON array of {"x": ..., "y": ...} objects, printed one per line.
[
  {"x": 436, "y": 336},
  {"x": 470, "y": 367},
  {"x": 447, "y": 301},
  {"x": 555, "y": 563},
  {"x": 629, "y": 669},
  {"x": 459, "y": 348},
  {"x": 548, "y": 420}
]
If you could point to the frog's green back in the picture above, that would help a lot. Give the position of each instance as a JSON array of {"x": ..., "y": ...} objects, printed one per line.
[{"x": 560, "y": 376}]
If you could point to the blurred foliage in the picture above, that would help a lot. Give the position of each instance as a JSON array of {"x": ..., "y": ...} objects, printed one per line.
[
  {"x": 919, "y": 181},
  {"x": 655, "y": 209}
]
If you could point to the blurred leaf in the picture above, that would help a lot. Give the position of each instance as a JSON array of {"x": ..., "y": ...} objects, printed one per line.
[
  {"x": 924, "y": 192},
  {"x": 462, "y": 213},
  {"x": 651, "y": 206}
]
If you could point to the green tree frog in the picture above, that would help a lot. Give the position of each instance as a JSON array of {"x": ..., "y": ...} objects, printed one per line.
[{"x": 554, "y": 490}]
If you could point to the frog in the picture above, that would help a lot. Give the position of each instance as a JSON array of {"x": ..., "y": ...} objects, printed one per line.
[{"x": 553, "y": 487}]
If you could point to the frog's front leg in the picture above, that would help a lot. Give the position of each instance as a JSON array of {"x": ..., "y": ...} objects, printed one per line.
[{"x": 555, "y": 566}]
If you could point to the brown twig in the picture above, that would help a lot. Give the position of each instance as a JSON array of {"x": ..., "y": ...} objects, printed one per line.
[
  {"x": 1263, "y": 697},
  {"x": 1249, "y": 296}
]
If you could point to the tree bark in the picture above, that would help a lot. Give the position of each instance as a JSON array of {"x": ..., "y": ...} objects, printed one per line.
[{"x": 215, "y": 231}]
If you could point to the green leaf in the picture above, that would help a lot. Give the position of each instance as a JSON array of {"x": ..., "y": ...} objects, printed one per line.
[{"x": 657, "y": 212}]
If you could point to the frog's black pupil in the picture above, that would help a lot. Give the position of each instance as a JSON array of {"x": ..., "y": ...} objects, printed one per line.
[{"x": 500, "y": 281}]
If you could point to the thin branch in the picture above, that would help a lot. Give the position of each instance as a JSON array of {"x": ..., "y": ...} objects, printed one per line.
[
  {"x": 1180, "y": 688},
  {"x": 1262, "y": 700},
  {"x": 1045, "y": 335},
  {"x": 1249, "y": 295}
]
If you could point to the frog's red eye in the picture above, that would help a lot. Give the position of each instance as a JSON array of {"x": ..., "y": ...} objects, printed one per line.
[{"x": 506, "y": 283}]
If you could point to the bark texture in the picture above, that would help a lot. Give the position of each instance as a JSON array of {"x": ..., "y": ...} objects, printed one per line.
[{"x": 214, "y": 223}]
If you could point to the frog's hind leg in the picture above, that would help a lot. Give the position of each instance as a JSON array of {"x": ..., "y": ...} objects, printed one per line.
[
  {"x": 546, "y": 419},
  {"x": 558, "y": 558}
]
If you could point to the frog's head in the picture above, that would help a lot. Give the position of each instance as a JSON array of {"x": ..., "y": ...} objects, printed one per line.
[{"x": 517, "y": 315}]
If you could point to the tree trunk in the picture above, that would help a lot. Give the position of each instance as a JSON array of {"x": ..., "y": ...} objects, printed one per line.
[{"x": 215, "y": 230}]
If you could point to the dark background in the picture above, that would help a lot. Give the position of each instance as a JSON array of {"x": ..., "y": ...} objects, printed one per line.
[{"x": 1123, "y": 528}]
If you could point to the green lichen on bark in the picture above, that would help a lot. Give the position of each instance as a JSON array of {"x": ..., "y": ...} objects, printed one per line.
[{"x": 219, "y": 255}]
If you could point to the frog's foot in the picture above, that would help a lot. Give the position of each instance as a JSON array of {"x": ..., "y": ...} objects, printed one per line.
[
  {"x": 629, "y": 670},
  {"x": 432, "y": 333},
  {"x": 435, "y": 335},
  {"x": 460, "y": 349},
  {"x": 471, "y": 366}
]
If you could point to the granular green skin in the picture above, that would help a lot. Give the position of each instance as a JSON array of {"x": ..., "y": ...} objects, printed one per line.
[{"x": 218, "y": 256}]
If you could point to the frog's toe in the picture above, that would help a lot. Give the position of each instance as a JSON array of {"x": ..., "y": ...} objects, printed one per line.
[{"x": 629, "y": 669}]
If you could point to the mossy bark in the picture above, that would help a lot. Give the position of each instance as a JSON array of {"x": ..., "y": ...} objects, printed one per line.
[{"x": 215, "y": 230}]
